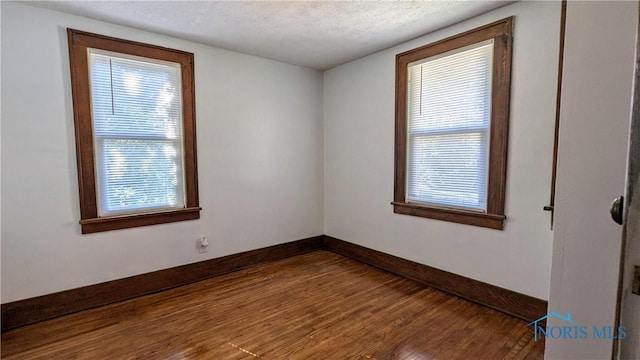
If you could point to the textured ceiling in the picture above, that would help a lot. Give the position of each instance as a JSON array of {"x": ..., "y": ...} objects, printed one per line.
[{"x": 315, "y": 34}]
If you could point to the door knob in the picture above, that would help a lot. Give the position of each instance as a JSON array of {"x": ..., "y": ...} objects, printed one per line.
[{"x": 617, "y": 208}]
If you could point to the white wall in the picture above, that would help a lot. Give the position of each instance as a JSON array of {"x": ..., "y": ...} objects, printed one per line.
[
  {"x": 0, "y": 167},
  {"x": 592, "y": 155},
  {"x": 259, "y": 133},
  {"x": 359, "y": 168}
]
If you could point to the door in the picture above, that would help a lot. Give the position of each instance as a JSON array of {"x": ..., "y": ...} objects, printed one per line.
[
  {"x": 595, "y": 113},
  {"x": 629, "y": 348}
]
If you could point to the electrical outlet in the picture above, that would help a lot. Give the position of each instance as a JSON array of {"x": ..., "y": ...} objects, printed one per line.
[
  {"x": 635, "y": 286},
  {"x": 202, "y": 245}
]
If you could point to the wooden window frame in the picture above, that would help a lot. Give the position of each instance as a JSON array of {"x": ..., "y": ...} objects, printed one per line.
[
  {"x": 79, "y": 43},
  {"x": 502, "y": 33}
]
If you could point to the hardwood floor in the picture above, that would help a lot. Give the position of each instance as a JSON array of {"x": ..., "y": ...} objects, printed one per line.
[{"x": 313, "y": 306}]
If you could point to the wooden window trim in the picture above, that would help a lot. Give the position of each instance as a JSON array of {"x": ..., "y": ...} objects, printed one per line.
[
  {"x": 502, "y": 34},
  {"x": 79, "y": 43}
]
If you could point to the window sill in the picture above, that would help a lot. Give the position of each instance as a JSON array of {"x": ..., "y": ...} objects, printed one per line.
[
  {"x": 129, "y": 221},
  {"x": 492, "y": 221}
]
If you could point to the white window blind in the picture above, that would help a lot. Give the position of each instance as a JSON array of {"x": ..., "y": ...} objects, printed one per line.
[
  {"x": 449, "y": 110},
  {"x": 137, "y": 125}
]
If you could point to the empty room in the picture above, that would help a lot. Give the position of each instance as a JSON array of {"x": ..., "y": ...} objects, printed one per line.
[{"x": 431, "y": 179}]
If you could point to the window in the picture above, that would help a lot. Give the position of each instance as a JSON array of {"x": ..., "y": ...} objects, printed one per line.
[
  {"x": 135, "y": 132},
  {"x": 452, "y": 116}
]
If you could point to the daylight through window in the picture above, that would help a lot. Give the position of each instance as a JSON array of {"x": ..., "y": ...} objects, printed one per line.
[
  {"x": 135, "y": 132},
  {"x": 448, "y": 128},
  {"x": 452, "y": 111},
  {"x": 137, "y": 122}
]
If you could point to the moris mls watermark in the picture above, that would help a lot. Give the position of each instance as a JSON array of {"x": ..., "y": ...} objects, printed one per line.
[{"x": 574, "y": 331}]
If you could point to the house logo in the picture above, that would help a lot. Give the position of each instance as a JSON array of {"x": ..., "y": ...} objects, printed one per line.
[{"x": 571, "y": 330}]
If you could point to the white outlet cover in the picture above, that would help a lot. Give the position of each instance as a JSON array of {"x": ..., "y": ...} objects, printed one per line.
[{"x": 202, "y": 245}]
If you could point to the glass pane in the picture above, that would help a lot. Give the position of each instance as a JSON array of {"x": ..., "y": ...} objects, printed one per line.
[
  {"x": 135, "y": 98},
  {"x": 448, "y": 169},
  {"x": 451, "y": 92},
  {"x": 137, "y": 120},
  {"x": 140, "y": 175}
]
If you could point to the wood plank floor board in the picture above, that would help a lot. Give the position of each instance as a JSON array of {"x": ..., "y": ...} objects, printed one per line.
[{"x": 318, "y": 305}]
